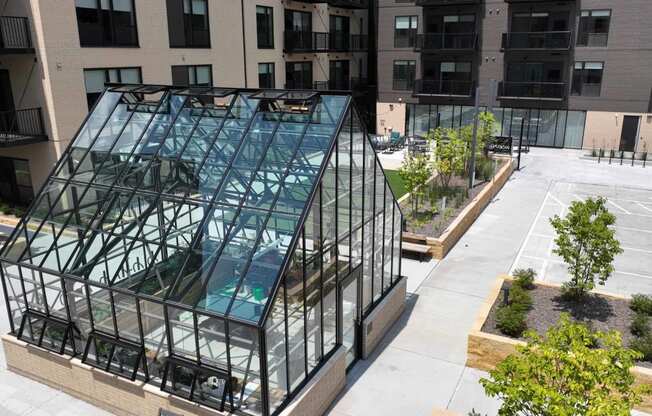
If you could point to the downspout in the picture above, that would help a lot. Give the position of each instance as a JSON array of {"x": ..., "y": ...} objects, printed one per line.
[{"x": 244, "y": 43}]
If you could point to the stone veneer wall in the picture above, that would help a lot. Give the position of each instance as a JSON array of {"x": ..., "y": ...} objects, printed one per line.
[{"x": 382, "y": 317}]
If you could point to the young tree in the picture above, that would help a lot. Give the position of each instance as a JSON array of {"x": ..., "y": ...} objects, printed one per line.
[
  {"x": 448, "y": 154},
  {"x": 587, "y": 244},
  {"x": 415, "y": 172},
  {"x": 565, "y": 374}
]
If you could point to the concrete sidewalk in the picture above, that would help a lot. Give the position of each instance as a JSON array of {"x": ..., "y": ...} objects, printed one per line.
[{"x": 419, "y": 367}]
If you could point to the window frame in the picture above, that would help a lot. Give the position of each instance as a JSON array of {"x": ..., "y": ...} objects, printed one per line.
[
  {"x": 141, "y": 361},
  {"x": 409, "y": 83},
  {"x": 188, "y": 44},
  {"x": 196, "y": 368},
  {"x": 270, "y": 33},
  {"x": 68, "y": 335},
  {"x": 583, "y": 75},
  {"x": 269, "y": 65},
  {"x": 411, "y": 33},
  {"x": 584, "y": 43},
  {"x": 136, "y": 43},
  {"x": 107, "y": 78},
  {"x": 194, "y": 68}
]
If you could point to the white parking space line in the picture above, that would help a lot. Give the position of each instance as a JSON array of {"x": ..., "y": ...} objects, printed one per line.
[
  {"x": 529, "y": 233},
  {"x": 609, "y": 201},
  {"x": 527, "y": 256},
  {"x": 637, "y": 249},
  {"x": 644, "y": 207},
  {"x": 633, "y": 229},
  {"x": 554, "y": 198}
]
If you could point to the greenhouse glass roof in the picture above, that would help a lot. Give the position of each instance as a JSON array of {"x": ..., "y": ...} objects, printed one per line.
[{"x": 190, "y": 196}]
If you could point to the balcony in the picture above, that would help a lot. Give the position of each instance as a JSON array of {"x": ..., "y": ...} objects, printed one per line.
[
  {"x": 353, "y": 84},
  {"x": 302, "y": 42},
  {"x": 342, "y": 4},
  {"x": 537, "y": 1},
  {"x": 537, "y": 40},
  {"x": 543, "y": 91},
  {"x": 446, "y": 42},
  {"x": 440, "y": 88},
  {"x": 20, "y": 127},
  {"x": 15, "y": 36},
  {"x": 445, "y": 2}
]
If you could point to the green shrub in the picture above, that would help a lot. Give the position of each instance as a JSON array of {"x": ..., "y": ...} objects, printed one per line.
[
  {"x": 641, "y": 304},
  {"x": 640, "y": 325},
  {"x": 644, "y": 346},
  {"x": 510, "y": 320},
  {"x": 525, "y": 278},
  {"x": 519, "y": 298}
]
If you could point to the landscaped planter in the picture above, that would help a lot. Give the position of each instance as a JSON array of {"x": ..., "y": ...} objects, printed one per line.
[
  {"x": 441, "y": 245},
  {"x": 485, "y": 350}
]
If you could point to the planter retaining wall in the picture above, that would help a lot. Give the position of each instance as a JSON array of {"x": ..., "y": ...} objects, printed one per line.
[
  {"x": 440, "y": 246},
  {"x": 485, "y": 351}
]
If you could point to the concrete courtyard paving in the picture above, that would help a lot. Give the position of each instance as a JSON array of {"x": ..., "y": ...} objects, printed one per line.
[{"x": 419, "y": 367}]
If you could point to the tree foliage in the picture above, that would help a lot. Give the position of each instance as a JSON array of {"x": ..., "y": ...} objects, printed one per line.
[
  {"x": 564, "y": 374},
  {"x": 415, "y": 172},
  {"x": 449, "y": 153},
  {"x": 451, "y": 147},
  {"x": 587, "y": 244}
]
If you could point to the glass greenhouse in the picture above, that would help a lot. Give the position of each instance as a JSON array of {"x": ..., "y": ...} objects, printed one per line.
[{"x": 219, "y": 243}]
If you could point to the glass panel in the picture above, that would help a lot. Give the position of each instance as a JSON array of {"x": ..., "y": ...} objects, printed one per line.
[
  {"x": 575, "y": 129},
  {"x": 295, "y": 319},
  {"x": 155, "y": 337},
  {"x": 212, "y": 341},
  {"x": 245, "y": 367},
  {"x": 182, "y": 333},
  {"x": 276, "y": 351}
]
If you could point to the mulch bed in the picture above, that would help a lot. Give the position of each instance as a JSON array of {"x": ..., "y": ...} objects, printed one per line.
[
  {"x": 437, "y": 225},
  {"x": 601, "y": 313}
]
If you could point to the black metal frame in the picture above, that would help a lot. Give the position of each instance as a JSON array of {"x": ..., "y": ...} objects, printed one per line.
[
  {"x": 94, "y": 336},
  {"x": 296, "y": 106},
  {"x": 20, "y": 36},
  {"x": 68, "y": 333},
  {"x": 196, "y": 369}
]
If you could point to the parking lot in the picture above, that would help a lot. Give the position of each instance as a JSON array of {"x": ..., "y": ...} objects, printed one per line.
[{"x": 633, "y": 210}]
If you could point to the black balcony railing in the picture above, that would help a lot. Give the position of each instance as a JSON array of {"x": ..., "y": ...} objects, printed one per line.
[
  {"x": 353, "y": 84},
  {"x": 592, "y": 39},
  {"x": 445, "y": 2},
  {"x": 435, "y": 87},
  {"x": 537, "y": 40},
  {"x": 446, "y": 41},
  {"x": 532, "y": 90},
  {"x": 14, "y": 35},
  {"x": 19, "y": 127},
  {"x": 343, "y": 4},
  {"x": 298, "y": 41}
]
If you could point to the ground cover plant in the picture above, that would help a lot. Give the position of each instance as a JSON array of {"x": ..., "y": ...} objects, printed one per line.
[
  {"x": 434, "y": 204},
  {"x": 562, "y": 373}
]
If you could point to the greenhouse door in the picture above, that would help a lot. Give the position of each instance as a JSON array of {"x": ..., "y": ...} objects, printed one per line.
[{"x": 350, "y": 326}]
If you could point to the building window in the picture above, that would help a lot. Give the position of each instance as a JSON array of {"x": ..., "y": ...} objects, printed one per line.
[
  {"x": 265, "y": 27},
  {"x": 266, "y": 75},
  {"x": 94, "y": 80},
  {"x": 298, "y": 75},
  {"x": 404, "y": 74},
  {"x": 188, "y": 24},
  {"x": 192, "y": 75},
  {"x": 405, "y": 31},
  {"x": 106, "y": 23},
  {"x": 587, "y": 79},
  {"x": 15, "y": 181},
  {"x": 594, "y": 28}
]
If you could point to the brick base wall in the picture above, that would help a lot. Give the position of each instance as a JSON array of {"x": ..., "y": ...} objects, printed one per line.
[{"x": 382, "y": 317}]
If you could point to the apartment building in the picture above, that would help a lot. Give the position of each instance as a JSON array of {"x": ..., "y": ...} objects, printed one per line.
[
  {"x": 55, "y": 58},
  {"x": 568, "y": 73}
]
